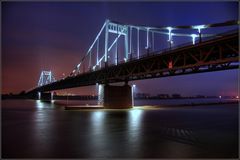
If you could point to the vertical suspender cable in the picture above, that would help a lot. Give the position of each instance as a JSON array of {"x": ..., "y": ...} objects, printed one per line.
[
  {"x": 50, "y": 75},
  {"x": 90, "y": 58},
  {"x": 138, "y": 42},
  {"x": 152, "y": 41},
  {"x": 97, "y": 49},
  {"x": 147, "y": 38},
  {"x": 106, "y": 42},
  {"x": 116, "y": 58},
  {"x": 131, "y": 41},
  {"x": 116, "y": 54}
]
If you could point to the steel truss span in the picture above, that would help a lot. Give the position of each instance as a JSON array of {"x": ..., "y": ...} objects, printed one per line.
[{"x": 221, "y": 53}]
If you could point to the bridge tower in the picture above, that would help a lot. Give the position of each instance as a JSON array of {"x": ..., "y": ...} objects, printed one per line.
[{"x": 46, "y": 77}]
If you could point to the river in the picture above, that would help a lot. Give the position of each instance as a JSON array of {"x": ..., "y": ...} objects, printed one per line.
[{"x": 35, "y": 129}]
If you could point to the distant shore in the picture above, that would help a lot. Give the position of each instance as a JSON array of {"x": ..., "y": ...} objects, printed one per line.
[
  {"x": 202, "y": 104},
  {"x": 94, "y": 97}
]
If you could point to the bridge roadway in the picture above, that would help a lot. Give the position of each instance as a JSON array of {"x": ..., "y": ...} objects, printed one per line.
[{"x": 216, "y": 54}]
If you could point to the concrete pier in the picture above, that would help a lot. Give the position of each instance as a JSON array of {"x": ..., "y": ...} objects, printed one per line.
[
  {"x": 45, "y": 96},
  {"x": 117, "y": 97}
]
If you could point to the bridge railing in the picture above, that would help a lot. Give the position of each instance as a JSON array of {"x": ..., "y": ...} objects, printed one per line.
[{"x": 221, "y": 34}]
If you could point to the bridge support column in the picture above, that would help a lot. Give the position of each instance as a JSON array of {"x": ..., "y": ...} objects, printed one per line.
[
  {"x": 45, "y": 96},
  {"x": 117, "y": 97}
]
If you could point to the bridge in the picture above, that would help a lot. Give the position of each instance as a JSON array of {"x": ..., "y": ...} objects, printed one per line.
[{"x": 106, "y": 63}]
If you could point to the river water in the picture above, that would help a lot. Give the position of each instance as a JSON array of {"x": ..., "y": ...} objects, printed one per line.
[{"x": 35, "y": 129}]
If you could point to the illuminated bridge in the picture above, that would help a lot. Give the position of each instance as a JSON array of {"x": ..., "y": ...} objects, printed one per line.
[{"x": 123, "y": 52}]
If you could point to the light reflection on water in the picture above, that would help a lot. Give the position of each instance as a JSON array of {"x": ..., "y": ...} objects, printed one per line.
[
  {"x": 135, "y": 117},
  {"x": 134, "y": 124},
  {"x": 133, "y": 133},
  {"x": 97, "y": 122},
  {"x": 97, "y": 132},
  {"x": 39, "y": 104},
  {"x": 111, "y": 131},
  {"x": 42, "y": 131}
]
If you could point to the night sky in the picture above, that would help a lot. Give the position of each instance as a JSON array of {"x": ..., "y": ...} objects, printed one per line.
[{"x": 55, "y": 36}]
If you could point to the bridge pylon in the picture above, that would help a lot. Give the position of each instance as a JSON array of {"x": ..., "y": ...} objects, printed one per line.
[
  {"x": 115, "y": 97},
  {"x": 46, "y": 77}
]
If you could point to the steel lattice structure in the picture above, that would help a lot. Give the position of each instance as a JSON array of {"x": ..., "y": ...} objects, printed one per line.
[{"x": 46, "y": 77}]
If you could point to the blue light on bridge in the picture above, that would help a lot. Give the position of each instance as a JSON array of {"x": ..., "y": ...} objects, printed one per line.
[
  {"x": 193, "y": 38},
  {"x": 169, "y": 33},
  {"x": 199, "y": 27}
]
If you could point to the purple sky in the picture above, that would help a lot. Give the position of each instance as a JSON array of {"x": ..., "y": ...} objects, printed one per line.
[{"x": 55, "y": 36}]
